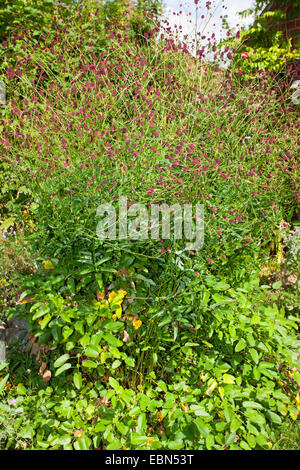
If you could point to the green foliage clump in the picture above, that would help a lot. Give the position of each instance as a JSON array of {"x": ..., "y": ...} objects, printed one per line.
[
  {"x": 215, "y": 370},
  {"x": 263, "y": 46}
]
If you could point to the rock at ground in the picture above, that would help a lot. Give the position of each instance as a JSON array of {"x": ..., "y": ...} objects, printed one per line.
[{"x": 2, "y": 343}]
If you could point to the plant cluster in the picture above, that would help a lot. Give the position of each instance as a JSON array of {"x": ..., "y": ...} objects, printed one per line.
[{"x": 143, "y": 344}]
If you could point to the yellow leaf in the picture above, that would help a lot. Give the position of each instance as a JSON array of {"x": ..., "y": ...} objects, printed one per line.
[
  {"x": 136, "y": 323},
  {"x": 48, "y": 264},
  {"x": 111, "y": 295},
  {"x": 228, "y": 379},
  {"x": 122, "y": 292},
  {"x": 297, "y": 400},
  {"x": 159, "y": 416},
  {"x": 293, "y": 415},
  {"x": 26, "y": 301},
  {"x": 116, "y": 298},
  {"x": 118, "y": 312},
  {"x": 100, "y": 296},
  {"x": 211, "y": 387},
  {"x": 150, "y": 440}
]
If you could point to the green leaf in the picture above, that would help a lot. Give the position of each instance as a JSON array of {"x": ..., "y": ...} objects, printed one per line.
[
  {"x": 235, "y": 424},
  {"x": 90, "y": 364},
  {"x": 230, "y": 438},
  {"x": 114, "y": 383},
  {"x": 41, "y": 312},
  {"x": 21, "y": 390},
  {"x": 67, "y": 331},
  {"x": 252, "y": 404},
  {"x": 3, "y": 383},
  {"x": 7, "y": 223},
  {"x": 92, "y": 352},
  {"x": 112, "y": 340},
  {"x": 115, "y": 445},
  {"x": 61, "y": 360},
  {"x": 254, "y": 355},
  {"x": 255, "y": 417},
  {"x": 45, "y": 321},
  {"x": 244, "y": 445},
  {"x": 77, "y": 379},
  {"x": 221, "y": 299},
  {"x": 162, "y": 385},
  {"x": 202, "y": 427},
  {"x": 221, "y": 426},
  {"x": 220, "y": 286},
  {"x": 71, "y": 285},
  {"x": 63, "y": 369},
  {"x": 261, "y": 440},
  {"x": 84, "y": 443},
  {"x": 210, "y": 441},
  {"x": 122, "y": 428},
  {"x": 138, "y": 440},
  {"x": 240, "y": 345},
  {"x": 274, "y": 417},
  {"x": 56, "y": 333},
  {"x": 199, "y": 411},
  {"x": 129, "y": 361},
  {"x": 99, "y": 280},
  {"x": 251, "y": 440},
  {"x": 27, "y": 432},
  {"x": 116, "y": 364}
]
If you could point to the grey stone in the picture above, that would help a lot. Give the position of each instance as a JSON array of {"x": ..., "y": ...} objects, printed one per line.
[
  {"x": 14, "y": 331},
  {"x": 2, "y": 343},
  {"x": 2, "y": 351},
  {"x": 18, "y": 323},
  {"x": 296, "y": 94},
  {"x": 14, "y": 335}
]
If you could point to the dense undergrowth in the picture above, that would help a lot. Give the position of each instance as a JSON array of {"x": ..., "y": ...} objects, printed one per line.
[{"x": 142, "y": 344}]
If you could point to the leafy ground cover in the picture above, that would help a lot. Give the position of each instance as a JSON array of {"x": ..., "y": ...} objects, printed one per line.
[{"x": 142, "y": 344}]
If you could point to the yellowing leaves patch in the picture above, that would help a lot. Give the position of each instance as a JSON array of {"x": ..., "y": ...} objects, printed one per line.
[
  {"x": 48, "y": 264},
  {"x": 136, "y": 323},
  {"x": 228, "y": 379}
]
